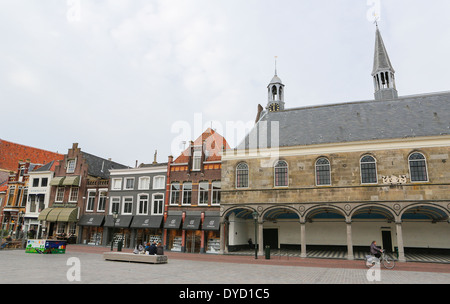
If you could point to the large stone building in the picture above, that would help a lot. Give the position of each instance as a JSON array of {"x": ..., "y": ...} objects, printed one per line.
[{"x": 342, "y": 175}]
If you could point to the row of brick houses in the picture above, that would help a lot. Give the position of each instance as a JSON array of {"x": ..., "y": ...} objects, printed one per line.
[{"x": 76, "y": 197}]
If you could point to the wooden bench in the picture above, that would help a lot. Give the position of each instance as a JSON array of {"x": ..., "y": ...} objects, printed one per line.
[{"x": 135, "y": 258}]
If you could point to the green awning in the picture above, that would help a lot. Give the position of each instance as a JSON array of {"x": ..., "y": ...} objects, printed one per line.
[
  {"x": 71, "y": 181},
  {"x": 53, "y": 215},
  {"x": 68, "y": 215},
  {"x": 57, "y": 181},
  {"x": 44, "y": 213}
]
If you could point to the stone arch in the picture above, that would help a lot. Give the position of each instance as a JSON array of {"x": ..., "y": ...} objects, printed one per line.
[
  {"x": 376, "y": 210},
  {"x": 328, "y": 209},
  {"x": 275, "y": 212},
  {"x": 427, "y": 211}
]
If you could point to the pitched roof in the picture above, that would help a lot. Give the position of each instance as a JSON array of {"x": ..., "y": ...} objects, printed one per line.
[
  {"x": 410, "y": 116},
  {"x": 11, "y": 153},
  {"x": 100, "y": 167},
  {"x": 214, "y": 144}
]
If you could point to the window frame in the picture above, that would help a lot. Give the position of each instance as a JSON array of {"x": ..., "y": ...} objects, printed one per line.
[
  {"x": 247, "y": 179},
  {"x": 89, "y": 201},
  {"x": 316, "y": 166},
  {"x": 142, "y": 203},
  {"x": 186, "y": 194},
  {"x": 361, "y": 169},
  {"x": 176, "y": 192},
  {"x": 286, "y": 174},
  {"x": 142, "y": 185},
  {"x": 159, "y": 182},
  {"x": 127, "y": 202},
  {"x": 215, "y": 193},
  {"x": 125, "y": 184},
  {"x": 201, "y": 194},
  {"x": 159, "y": 202},
  {"x": 424, "y": 160}
]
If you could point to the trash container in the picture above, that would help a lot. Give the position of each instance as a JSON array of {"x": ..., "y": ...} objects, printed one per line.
[
  {"x": 396, "y": 251},
  {"x": 119, "y": 245},
  {"x": 267, "y": 251}
]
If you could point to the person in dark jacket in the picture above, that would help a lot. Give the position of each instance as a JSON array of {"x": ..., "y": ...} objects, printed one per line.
[
  {"x": 159, "y": 249},
  {"x": 374, "y": 250},
  {"x": 152, "y": 250}
]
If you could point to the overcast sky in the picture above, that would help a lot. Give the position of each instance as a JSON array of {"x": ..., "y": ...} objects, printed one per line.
[{"x": 121, "y": 77}]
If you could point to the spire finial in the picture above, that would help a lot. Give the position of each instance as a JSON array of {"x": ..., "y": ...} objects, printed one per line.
[{"x": 276, "y": 65}]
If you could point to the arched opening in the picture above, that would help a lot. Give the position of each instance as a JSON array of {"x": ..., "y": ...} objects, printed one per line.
[
  {"x": 240, "y": 231},
  {"x": 426, "y": 231},
  {"x": 326, "y": 234},
  {"x": 281, "y": 229}
]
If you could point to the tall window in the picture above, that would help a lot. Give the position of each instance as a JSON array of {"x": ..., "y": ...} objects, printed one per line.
[
  {"x": 115, "y": 205},
  {"x": 175, "y": 194},
  {"x": 158, "y": 204},
  {"x": 59, "y": 194},
  {"x": 187, "y": 193},
  {"x": 158, "y": 182},
  {"x": 71, "y": 165},
  {"x": 323, "y": 172},
  {"x": 144, "y": 183},
  {"x": 418, "y": 167},
  {"x": 281, "y": 174},
  {"x": 215, "y": 196},
  {"x": 73, "y": 197},
  {"x": 12, "y": 190},
  {"x": 143, "y": 204},
  {"x": 90, "y": 201},
  {"x": 101, "y": 200},
  {"x": 368, "y": 170},
  {"x": 129, "y": 183},
  {"x": 116, "y": 184},
  {"x": 203, "y": 188},
  {"x": 242, "y": 175},
  {"x": 127, "y": 205},
  {"x": 197, "y": 161},
  {"x": 33, "y": 202}
]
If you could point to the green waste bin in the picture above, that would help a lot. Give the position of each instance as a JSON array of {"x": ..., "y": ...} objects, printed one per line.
[
  {"x": 267, "y": 251},
  {"x": 119, "y": 245}
]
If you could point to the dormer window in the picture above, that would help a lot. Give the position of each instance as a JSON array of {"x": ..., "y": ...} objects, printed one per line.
[
  {"x": 197, "y": 161},
  {"x": 71, "y": 165}
]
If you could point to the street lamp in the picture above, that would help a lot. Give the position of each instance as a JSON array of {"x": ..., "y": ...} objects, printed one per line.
[
  {"x": 115, "y": 215},
  {"x": 255, "y": 217}
]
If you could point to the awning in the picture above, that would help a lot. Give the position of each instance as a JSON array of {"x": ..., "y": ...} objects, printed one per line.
[
  {"x": 123, "y": 221},
  {"x": 192, "y": 222},
  {"x": 44, "y": 213},
  {"x": 94, "y": 220},
  {"x": 53, "y": 215},
  {"x": 57, "y": 181},
  {"x": 173, "y": 222},
  {"x": 68, "y": 215},
  {"x": 59, "y": 215},
  {"x": 71, "y": 181},
  {"x": 211, "y": 223},
  {"x": 143, "y": 221}
]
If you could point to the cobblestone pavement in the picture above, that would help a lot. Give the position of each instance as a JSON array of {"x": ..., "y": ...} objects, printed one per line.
[{"x": 16, "y": 266}]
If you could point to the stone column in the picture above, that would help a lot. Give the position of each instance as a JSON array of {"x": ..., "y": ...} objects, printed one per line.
[
  {"x": 223, "y": 238},
  {"x": 303, "y": 238},
  {"x": 349, "y": 240},
  {"x": 260, "y": 238},
  {"x": 401, "y": 250}
]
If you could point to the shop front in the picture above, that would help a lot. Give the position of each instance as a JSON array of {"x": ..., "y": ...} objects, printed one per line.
[
  {"x": 60, "y": 223},
  {"x": 191, "y": 227},
  {"x": 119, "y": 230},
  {"x": 173, "y": 233},
  {"x": 146, "y": 229},
  {"x": 91, "y": 229},
  {"x": 211, "y": 231}
]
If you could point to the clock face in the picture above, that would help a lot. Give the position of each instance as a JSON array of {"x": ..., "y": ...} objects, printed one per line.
[{"x": 274, "y": 107}]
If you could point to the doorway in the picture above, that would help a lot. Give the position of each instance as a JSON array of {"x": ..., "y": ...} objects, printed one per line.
[
  {"x": 193, "y": 241},
  {"x": 387, "y": 240},
  {"x": 270, "y": 237}
]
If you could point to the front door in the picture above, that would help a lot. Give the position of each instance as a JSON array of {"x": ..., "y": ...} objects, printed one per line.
[
  {"x": 387, "y": 240},
  {"x": 270, "y": 237},
  {"x": 193, "y": 241}
]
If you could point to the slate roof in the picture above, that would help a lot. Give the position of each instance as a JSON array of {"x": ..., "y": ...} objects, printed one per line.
[
  {"x": 100, "y": 167},
  {"x": 405, "y": 117}
]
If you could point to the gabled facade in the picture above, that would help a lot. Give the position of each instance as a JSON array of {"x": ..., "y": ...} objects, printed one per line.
[
  {"x": 193, "y": 196},
  {"x": 77, "y": 173}
]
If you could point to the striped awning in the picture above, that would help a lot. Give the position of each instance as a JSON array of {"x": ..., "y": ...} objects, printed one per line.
[
  {"x": 53, "y": 215},
  {"x": 44, "y": 213},
  {"x": 71, "y": 181},
  {"x": 57, "y": 181},
  {"x": 68, "y": 215}
]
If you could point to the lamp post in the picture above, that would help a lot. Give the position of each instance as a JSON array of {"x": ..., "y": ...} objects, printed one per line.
[
  {"x": 115, "y": 215},
  {"x": 255, "y": 217}
]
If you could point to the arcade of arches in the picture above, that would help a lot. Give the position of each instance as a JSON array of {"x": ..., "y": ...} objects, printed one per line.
[{"x": 395, "y": 226}]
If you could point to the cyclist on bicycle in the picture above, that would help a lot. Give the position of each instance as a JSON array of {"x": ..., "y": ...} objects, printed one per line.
[{"x": 374, "y": 250}]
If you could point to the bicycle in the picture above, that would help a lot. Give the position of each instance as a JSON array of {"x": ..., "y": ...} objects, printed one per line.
[{"x": 387, "y": 261}]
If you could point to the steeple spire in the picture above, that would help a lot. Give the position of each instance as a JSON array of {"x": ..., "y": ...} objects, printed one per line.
[
  {"x": 383, "y": 72},
  {"x": 275, "y": 93}
]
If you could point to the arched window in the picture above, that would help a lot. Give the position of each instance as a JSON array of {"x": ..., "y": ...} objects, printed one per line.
[
  {"x": 418, "y": 167},
  {"x": 281, "y": 174},
  {"x": 368, "y": 170},
  {"x": 242, "y": 175},
  {"x": 323, "y": 172}
]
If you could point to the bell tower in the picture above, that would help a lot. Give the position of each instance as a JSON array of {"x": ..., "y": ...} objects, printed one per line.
[
  {"x": 275, "y": 91},
  {"x": 383, "y": 72}
]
